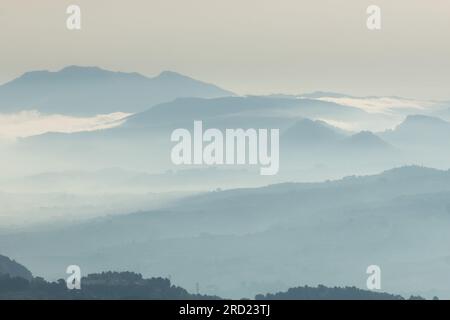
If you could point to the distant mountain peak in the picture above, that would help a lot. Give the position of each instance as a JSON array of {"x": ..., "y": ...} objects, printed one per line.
[
  {"x": 311, "y": 132},
  {"x": 84, "y": 73},
  {"x": 418, "y": 118},
  {"x": 413, "y": 171},
  {"x": 365, "y": 135},
  {"x": 171, "y": 74},
  {"x": 367, "y": 139},
  {"x": 90, "y": 90},
  {"x": 324, "y": 94},
  {"x": 415, "y": 122},
  {"x": 306, "y": 123},
  {"x": 76, "y": 68}
]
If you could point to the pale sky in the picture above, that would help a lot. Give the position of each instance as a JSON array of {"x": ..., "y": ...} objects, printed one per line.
[{"x": 247, "y": 46}]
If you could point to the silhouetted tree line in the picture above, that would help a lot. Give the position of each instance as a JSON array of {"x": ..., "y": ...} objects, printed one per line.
[
  {"x": 130, "y": 285},
  {"x": 105, "y": 285},
  {"x": 337, "y": 293}
]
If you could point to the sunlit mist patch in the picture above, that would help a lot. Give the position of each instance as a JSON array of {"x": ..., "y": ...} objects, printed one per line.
[
  {"x": 385, "y": 105},
  {"x": 30, "y": 123}
]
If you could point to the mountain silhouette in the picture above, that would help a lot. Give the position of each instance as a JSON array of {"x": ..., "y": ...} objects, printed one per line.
[
  {"x": 77, "y": 90},
  {"x": 306, "y": 136},
  {"x": 189, "y": 109},
  {"x": 367, "y": 140},
  {"x": 309, "y": 132},
  {"x": 420, "y": 131}
]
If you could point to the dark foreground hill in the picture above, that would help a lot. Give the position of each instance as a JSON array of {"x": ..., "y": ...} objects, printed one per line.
[
  {"x": 326, "y": 293},
  {"x": 106, "y": 285},
  {"x": 13, "y": 269},
  {"x": 129, "y": 285}
]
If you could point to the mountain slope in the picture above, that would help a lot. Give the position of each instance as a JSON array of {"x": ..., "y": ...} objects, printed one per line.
[
  {"x": 190, "y": 109},
  {"x": 78, "y": 90},
  {"x": 309, "y": 137},
  {"x": 307, "y": 132},
  {"x": 321, "y": 232},
  {"x": 420, "y": 131},
  {"x": 366, "y": 140},
  {"x": 13, "y": 269}
]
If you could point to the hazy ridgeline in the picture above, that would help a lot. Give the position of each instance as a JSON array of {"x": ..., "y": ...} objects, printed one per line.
[{"x": 111, "y": 199}]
